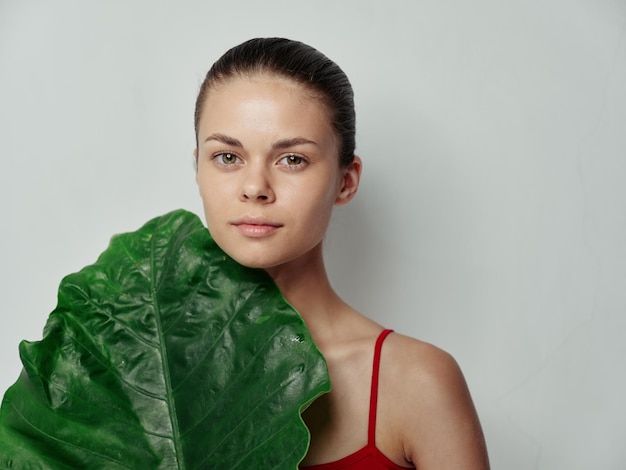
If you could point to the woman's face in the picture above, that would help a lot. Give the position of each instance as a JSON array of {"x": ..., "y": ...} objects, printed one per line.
[{"x": 268, "y": 170}]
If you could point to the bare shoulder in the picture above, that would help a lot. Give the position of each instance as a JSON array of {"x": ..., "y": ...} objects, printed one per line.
[
  {"x": 426, "y": 399},
  {"x": 432, "y": 381},
  {"x": 422, "y": 364}
]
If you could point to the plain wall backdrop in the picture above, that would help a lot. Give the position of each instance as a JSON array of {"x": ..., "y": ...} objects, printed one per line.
[{"x": 491, "y": 218}]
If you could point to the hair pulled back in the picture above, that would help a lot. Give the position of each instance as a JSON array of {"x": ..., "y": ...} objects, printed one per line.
[{"x": 296, "y": 61}]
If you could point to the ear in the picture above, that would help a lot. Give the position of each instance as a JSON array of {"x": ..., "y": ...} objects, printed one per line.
[
  {"x": 195, "y": 161},
  {"x": 349, "y": 182}
]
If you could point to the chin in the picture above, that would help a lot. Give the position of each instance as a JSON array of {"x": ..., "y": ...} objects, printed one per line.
[
  {"x": 262, "y": 255},
  {"x": 253, "y": 260},
  {"x": 257, "y": 263}
]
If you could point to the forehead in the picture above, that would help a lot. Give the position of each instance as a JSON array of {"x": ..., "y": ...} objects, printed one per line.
[{"x": 264, "y": 100}]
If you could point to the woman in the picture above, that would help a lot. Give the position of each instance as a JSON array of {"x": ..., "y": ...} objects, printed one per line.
[{"x": 275, "y": 140}]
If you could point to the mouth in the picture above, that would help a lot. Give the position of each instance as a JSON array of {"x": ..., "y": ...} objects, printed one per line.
[{"x": 255, "y": 227}]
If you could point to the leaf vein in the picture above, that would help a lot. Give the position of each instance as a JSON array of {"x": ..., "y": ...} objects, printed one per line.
[{"x": 71, "y": 444}]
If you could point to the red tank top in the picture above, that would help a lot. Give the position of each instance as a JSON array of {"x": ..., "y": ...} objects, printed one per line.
[{"x": 368, "y": 457}]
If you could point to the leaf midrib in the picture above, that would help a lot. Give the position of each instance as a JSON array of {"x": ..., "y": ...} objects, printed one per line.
[{"x": 171, "y": 404}]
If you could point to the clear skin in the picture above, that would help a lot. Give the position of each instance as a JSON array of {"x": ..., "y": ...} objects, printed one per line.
[{"x": 269, "y": 177}]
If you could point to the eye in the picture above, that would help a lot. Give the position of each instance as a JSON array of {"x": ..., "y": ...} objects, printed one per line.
[
  {"x": 226, "y": 158},
  {"x": 293, "y": 161}
]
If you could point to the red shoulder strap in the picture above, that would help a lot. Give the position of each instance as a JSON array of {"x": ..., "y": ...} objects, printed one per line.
[{"x": 371, "y": 431}]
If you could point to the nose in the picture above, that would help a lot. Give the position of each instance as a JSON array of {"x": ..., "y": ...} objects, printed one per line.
[{"x": 256, "y": 186}]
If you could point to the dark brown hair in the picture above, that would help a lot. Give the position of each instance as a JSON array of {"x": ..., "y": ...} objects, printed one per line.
[{"x": 296, "y": 61}]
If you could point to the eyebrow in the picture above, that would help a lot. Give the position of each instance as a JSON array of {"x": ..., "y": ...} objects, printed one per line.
[
  {"x": 280, "y": 144},
  {"x": 224, "y": 139},
  {"x": 287, "y": 143}
]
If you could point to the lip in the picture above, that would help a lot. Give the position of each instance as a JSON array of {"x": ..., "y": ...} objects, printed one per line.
[{"x": 255, "y": 227}]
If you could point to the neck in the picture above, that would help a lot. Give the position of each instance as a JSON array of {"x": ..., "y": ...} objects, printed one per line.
[{"x": 305, "y": 285}]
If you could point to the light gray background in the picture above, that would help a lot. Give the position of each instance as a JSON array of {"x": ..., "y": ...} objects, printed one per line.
[{"x": 491, "y": 218}]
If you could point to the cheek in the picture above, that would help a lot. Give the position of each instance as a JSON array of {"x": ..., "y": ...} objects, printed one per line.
[
  {"x": 202, "y": 189},
  {"x": 214, "y": 186},
  {"x": 317, "y": 207},
  {"x": 210, "y": 194}
]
